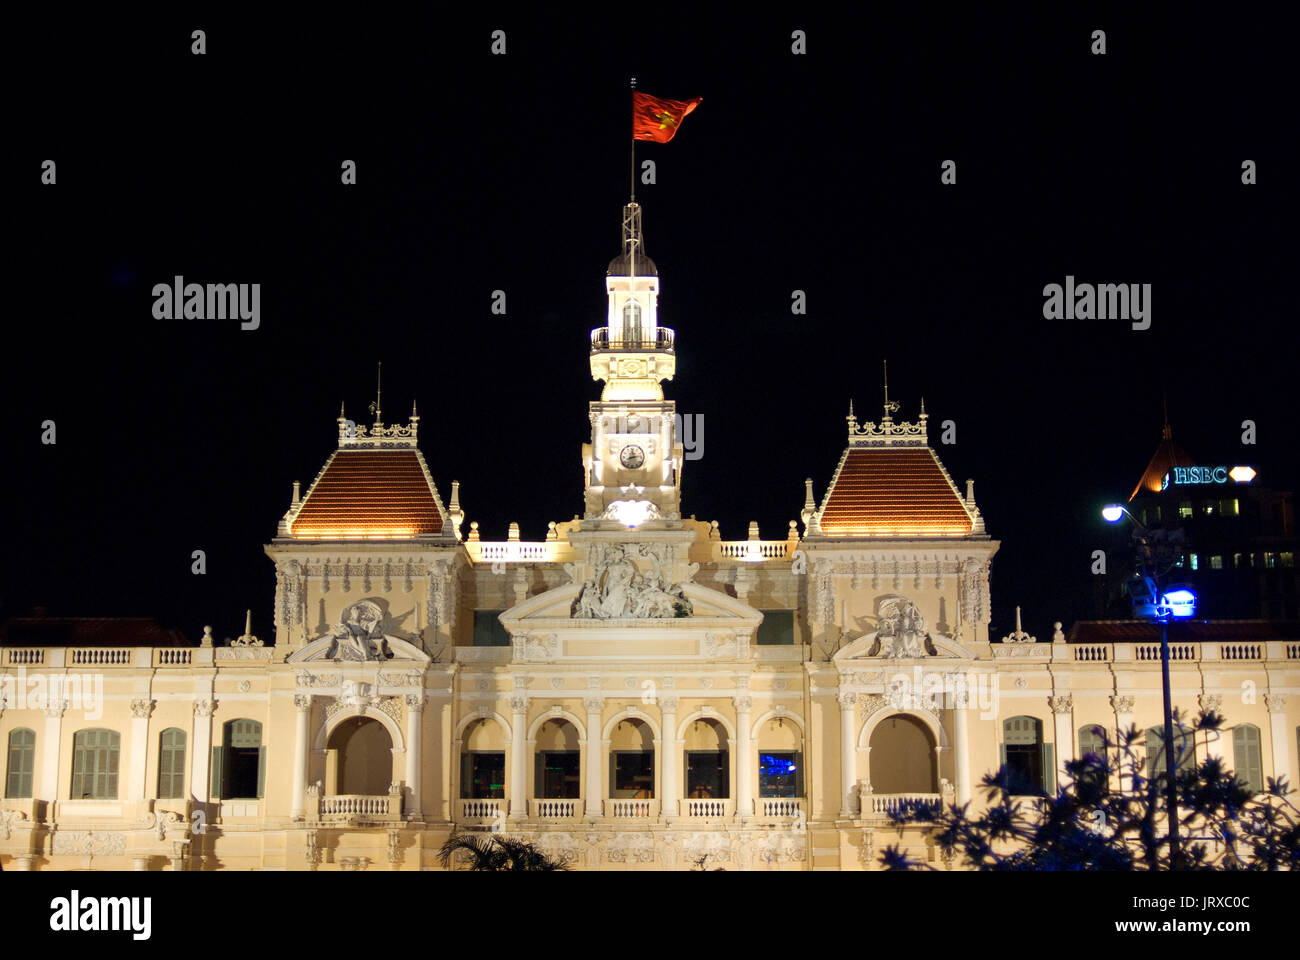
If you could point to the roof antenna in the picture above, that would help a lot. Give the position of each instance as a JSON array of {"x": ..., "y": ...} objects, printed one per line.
[
  {"x": 374, "y": 407},
  {"x": 1164, "y": 402}
]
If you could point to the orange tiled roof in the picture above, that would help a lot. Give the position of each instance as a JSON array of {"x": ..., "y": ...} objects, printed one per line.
[
  {"x": 370, "y": 494},
  {"x": 892, "y": 492}
]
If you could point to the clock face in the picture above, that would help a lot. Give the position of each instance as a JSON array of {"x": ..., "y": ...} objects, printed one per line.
[{"x": 632, "y": 456}]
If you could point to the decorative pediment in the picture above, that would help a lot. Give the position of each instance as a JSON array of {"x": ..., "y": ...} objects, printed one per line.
[
  {"x": 630, "y": 581},
  {"x": 901, "y": 634},
  {"x": 365, "y": 632}
]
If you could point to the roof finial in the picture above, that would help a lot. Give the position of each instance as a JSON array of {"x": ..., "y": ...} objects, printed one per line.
[
  {"x": 1164, "y": 402},
  {"x": 379, "y": 385},
  {"x": 415, "y": 414}
]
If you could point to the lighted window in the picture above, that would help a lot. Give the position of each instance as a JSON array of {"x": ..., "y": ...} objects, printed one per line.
[
  {"x": 94, "y": 764},
  {"x": 632, "y": 772},
  {"x": 1216, "y": 563},
  {"x": 22, "y": 761},
  {"x": 1236, "y": 560},
  {"x": 706, "y": 774},
  {"x": 777, "y": 628},
  {"x": 558, "y": 774},
  {"x": 1208, "y": 506},
  {"x": 488, "y": 629},
  {"x": 1229, "y": 508},
  {"x": 1270, "y": 560},
  {"x": 780, "y": 774},
  {"x": 1185, "y": 508},
  {"x": 482, "y": 775},
  {"x": 1287, "y": 558},
  {"x": 1193, "y": 560},
  {"x": 171, "y": 764}
]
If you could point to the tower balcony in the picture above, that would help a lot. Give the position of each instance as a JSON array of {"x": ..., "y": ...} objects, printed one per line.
[{"x": 660, "y": 341}]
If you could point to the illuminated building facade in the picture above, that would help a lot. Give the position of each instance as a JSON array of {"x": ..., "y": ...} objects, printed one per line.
[{"x": 631, "y": 692}]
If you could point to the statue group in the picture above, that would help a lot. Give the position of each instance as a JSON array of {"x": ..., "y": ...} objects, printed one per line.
[{"x": 617, "y": 589}]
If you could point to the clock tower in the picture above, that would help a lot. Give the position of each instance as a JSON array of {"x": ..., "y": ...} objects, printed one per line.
[{"x": 633, "y": 463}]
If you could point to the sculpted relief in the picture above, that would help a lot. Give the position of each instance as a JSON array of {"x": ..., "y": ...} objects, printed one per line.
[
  {"x": 361, "y": 634},
  {"x": 629, "y": 581},
  {"x": 901, "y": 632}
]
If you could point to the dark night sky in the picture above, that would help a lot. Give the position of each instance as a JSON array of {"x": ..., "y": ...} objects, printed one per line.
[{"x": 477, "y": 172}]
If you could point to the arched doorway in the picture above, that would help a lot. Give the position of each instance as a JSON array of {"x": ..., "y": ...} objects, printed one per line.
[
  {"x": 363, "y": 757},
  {"x": 557, "y": 773},
  {"x": 632, "y": 760},
  {"x": 708, "y": 773},
  {"x": 903, "y": 756},
  {"x": 483, "y": 761}
]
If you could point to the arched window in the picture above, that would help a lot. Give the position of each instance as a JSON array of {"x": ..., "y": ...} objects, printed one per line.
[
  {"x": 171, "y": 764},
  {"x": 1030, "y": 762},
  {"x": 362, "y": 758},
  {"x": 632, "y": 760},
  {"x": 708, "y": 770},
  {"x": 1247, "y": 759},
  {"x": 22, "y": 760},
  {"x": 94, "y": 764},
  {"x": 902, "y": 756},
  {"x": 1092, "y": 741},
  {"x": 483, "y": 762},
  {"x": 632, "y": 322},
  {"x": 239, "y": 764},
  {"x": 1184, "y": 750},
  {"x": 780, "y": 759}
]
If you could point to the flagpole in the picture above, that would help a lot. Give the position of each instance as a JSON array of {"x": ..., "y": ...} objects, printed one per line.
[{"x": 632, "y": 169}]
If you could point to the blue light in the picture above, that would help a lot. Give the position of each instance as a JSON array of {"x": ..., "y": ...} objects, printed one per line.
[{"x": 1179, "y": 603}]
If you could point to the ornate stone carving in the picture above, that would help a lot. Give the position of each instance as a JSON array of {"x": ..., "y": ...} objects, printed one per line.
[
  {"x": 631, "y": 848},
  {"x": 874, "y": 703},
  {"x": 743, "y": 704},
  {"x": 8, "y": 818},
  {"x": 359, "y": 635},
  {"x": 557, "y": 683},
  {"x": 630, "y": 581},
  {"x": 560, "y": 847},
  {"x": 900, "y": 633},
  {"x": 720, "y": 646},
  {"x": 1062, "y": 704},
  {"x": 141, "y": 709},
  {"x": 1122, "y": 704},
  {"x": 302, "y": 701},
  {"x": 89, "y": 843},
  {"x": 519, "y": 704},
  {"x": 415, "y": 701},
  {"x": 593, "y": 704},
  {"x": 777, "y": 846},
  {"x": 306, "y": 679},
  {"x": 400, "y": 679},
  {"x": 204, "y": 708},
  {"x": 780, "y": 683},
  {"x": 1276, "y": 702},
  {"x": 706, "y": 846},
  {"x": 1211, "y": 702},
  {"x": 669, "y": 704},
  {"x": 169, "y": 824},
  {"x": 536, "y": 649},
  {"x": 847, "y": 700},
  {"x": 822, "y": 607}
]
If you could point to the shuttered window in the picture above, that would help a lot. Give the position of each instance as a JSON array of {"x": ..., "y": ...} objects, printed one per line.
[
  {"x": 171, "y": 764},
  {"x": 22, "y": 761},
  {"x": 1030, "y": 762},
  {"x": 94, "y": 764},
  {"x": 1247, "y": 758}
]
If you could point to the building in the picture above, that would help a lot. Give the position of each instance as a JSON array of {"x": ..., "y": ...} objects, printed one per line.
[
  {"x": 632, "y": 692},
  {"x": 1229, "y": 538}
]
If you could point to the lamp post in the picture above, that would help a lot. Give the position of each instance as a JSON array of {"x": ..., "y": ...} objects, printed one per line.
[{"x": 1164, "y": 611}]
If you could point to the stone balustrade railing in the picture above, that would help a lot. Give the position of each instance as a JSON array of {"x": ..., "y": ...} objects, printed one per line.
[
  {"x": 554, "y": 809},
  {"x": 697, "y": 808}
]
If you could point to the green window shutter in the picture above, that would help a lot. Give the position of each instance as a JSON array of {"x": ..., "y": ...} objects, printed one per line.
[
  {"x": 1002, "y": 748},
  {"x": 1049, "y": 769},
  {"x": 1246, "y": 756},
  {"x": 261, "y": 772},
  {"x": 216, "y": 787}
]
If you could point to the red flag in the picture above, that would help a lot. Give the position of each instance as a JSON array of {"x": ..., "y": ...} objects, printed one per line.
[{"x": 654, "y": 118}]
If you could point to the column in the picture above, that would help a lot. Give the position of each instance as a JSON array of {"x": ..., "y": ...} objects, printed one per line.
[
  {"x": 518, "y": 778},
  {"x": 592, "y": 758},
  {"x": 1281, "y": 736},
  {"x": 1215, "y": 741},
  {"x": 50, "y": 759},
  {"x": 744, "y": 759},
  {"x": 1122, "y": 704},
  {"x": 200, "y": 789},
  {"x": 848, "y": 755},
  {"x": 961, "y": 747},
  {"x": 414, "y": 745},
  {"x": 1066, "y": 742},
  {"x": 669, "y": 803},
  {"x": 302, "y": 703},
  {"x": 135, "y": 785}
]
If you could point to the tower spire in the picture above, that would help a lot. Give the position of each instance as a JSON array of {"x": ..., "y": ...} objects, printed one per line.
[{"x": 632, "y": 168}]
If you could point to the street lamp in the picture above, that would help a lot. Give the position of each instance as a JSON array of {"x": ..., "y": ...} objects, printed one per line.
[{"x": 1177, "y": 603}]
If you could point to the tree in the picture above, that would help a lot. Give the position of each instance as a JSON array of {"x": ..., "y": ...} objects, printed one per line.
[
  {"x": 1109, "y": 815},
  {"x": 496, "y": 852}
]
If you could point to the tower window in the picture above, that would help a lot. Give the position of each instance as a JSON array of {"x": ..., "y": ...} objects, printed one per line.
[{"x": 632, "y": 322}]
